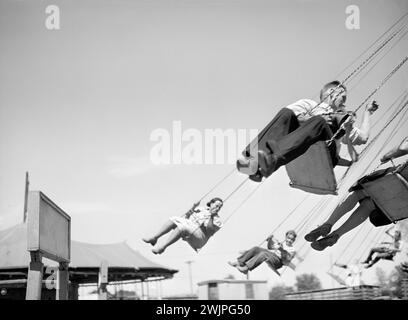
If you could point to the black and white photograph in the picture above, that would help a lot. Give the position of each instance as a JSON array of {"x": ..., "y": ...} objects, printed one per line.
[{"x": 184, "y": 151}]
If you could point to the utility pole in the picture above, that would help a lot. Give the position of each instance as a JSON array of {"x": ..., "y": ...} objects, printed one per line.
[
  {"x": 189, "y": 262},
  {"x": 27, "y": 183}
]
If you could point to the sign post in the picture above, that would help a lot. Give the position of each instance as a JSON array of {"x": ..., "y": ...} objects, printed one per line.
[
  {"x": 103, "y": 281},
  {"x": 49, "y": 236}
]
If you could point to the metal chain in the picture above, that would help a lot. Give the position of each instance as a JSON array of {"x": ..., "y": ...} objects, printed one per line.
[
  {"x": 370, "y": 95},
  {"x": 373, "y": 54},
  {"x": 383, "y": 82}
]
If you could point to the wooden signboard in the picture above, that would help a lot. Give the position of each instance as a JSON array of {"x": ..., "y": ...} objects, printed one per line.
[
  {"x": 49, "y": 228},
  {"x": 49, "y": 236}
]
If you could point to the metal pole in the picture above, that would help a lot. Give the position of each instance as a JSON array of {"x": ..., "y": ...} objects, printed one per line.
[
  {"x": 190, "y": 275},
  {"x": 27, "y": 183}
]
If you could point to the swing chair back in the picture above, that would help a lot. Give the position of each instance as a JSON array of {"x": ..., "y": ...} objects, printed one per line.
[
  {"x": 273, "y": 268},
  {"x": 390, "y": 193},
  {"x": 313, "y": 171}
]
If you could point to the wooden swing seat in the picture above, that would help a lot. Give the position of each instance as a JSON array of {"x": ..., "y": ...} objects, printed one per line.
[
  {"x": 273, "y": 269},
  {"x": 313, "y": 171},
  {"x": 390, "y": 193}
]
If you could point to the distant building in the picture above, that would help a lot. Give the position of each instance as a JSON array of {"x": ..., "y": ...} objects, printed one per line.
[
  {"x": 125, "y": 266},
  {"x": 181, "y": 297},
  {"x": 364, "y": 292},
  {"x": 228, "y": 289}
]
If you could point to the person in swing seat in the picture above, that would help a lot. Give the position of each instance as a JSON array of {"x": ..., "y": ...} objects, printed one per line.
[
  {"x": 195, "y": 227},
  {"x": 386, "y": 251},
  {"x": 276, "y": 255},
  {"x": 298, "y": 126},
  {"x": 366, "y": 207},
  {"x": 354, "y": 272}
]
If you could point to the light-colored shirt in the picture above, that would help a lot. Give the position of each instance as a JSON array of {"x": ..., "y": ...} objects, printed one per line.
[
  {"x": 289, "y": 249},
  {"x": 306, "y": 108},
  {"x": 202, "y": 216}
]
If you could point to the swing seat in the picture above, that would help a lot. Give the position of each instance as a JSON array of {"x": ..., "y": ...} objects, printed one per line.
[
  {"x": 390, "y": 193},
  {"x": 273, "y": 269},
  {"x": 313, "y": 171}
]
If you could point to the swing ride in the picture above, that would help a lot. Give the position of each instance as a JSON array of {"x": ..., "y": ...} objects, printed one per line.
[{"x": 313, "y": 171}]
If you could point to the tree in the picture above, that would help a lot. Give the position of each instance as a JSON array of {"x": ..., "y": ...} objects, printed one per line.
[
  {"x": 278, "y": 292},
  {"x": 383, "y": 282},
  {"x": 391, "y": 284},
  {"x": 307, "y": 282}
]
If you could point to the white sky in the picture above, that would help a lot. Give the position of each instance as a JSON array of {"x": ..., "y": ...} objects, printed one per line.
[{"x": 78, "y": 105}]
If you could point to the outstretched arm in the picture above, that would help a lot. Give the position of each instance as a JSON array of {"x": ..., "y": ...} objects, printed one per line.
[
  {"x": 351, "y": 135},
  {"x": 399, "y": 151},
  {"x": 364, "y": 130}
]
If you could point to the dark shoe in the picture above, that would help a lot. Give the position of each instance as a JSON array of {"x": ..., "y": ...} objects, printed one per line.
[
  {"x": 325, "y": 242},
  {"x": 267, "y": 163},
  {"x": 320, "y": 231},
  {"x": 247, "y": 166},
  {"x": 152, "y": 241},
  {"x": 257, "y": 177}
]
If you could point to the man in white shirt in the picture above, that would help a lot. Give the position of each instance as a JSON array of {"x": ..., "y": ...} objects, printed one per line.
[
  {"x": 296, "y": 127},
  {"x": 276, "y": 256}
]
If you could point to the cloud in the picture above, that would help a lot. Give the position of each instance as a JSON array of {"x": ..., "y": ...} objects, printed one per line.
[{"x": 124, "y": 167}]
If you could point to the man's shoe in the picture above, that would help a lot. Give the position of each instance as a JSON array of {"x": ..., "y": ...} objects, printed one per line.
[
  {"x": 257, "y": 177},
  {"x": 247, "y": 166},
  {"x": 267, "y": 163},
  {"x": 320, "y": 231},
  {"x": 325, "y": 242}
]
